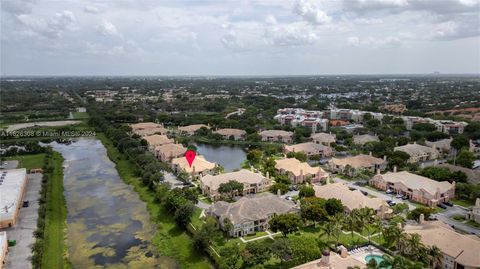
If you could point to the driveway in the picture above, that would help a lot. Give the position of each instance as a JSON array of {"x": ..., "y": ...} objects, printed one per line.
[
  {"x": 19, "y": 255},
  {"x": 457, "y": 210}
]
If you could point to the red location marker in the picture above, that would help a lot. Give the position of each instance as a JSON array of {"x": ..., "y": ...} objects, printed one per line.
[{"x": 190, "y": 156}]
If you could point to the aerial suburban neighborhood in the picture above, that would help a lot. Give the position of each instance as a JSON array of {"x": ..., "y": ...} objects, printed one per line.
[{"x": 266, "y": 134}]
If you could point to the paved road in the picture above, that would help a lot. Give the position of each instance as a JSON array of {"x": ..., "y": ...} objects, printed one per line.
[
  {"x": 172, "y": 179},
  {"x": 19, "y": 255}
]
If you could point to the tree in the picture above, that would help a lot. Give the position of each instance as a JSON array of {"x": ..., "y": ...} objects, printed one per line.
[
  {"x": 313, "y": 209},
  {"x": 301, "y": 156},
  {"x": 279, "y": 186},
  {"x": 334, "y": 206},
  {"x": 281, "y": 248},
  {"x": 286, "y": 223},
  {"x": 304, "y": 248},
  {"x": 415, "y": 213},
  {"x": 330, "y": 228},
  {"x": 306, "y": 191},
  {"x": 183, "y": 214},
  {"x": 434, "y": 256},
  {"x": 350, "y": 222},
  {"x": 400, "y": 208},
  {"x": 465, "y": 158},
  {"x": 256, "y": 252},
  {"x": 231, "y": 188},
  {"x": 398, "y": 158},
  {"x": 230, "y": 257},
  {"x": 204, "y": 237},
  {"x": 459, "y": 142},
  {"x": 254, "y": 156},
  {"x": 391, "y": 234}
]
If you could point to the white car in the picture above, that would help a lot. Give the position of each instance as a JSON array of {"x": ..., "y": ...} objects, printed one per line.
[
  {"x": 389, "y": 191},
  {"x": 399, "y": 196}
]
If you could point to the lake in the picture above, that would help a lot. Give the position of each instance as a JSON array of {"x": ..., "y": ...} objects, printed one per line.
[
  {"x": 228, "y": 156},
  {"x": 107, "y": 224}
]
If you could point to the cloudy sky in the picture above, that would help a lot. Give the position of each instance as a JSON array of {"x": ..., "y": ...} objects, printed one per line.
[{"x": 274, "y": 37}]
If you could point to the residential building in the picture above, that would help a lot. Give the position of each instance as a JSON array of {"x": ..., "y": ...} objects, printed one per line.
[
  {"x": 3, "y": 248},
  {"x": 167, "y": 152},
  {"x": 252, "y": 182},
  {"x": 418, "y": 153},
  {"x": 151, "y": 131},
  {"x": 474, "y": 213},
  {"x": 157, "y": 140},
  {"x": 228, "y": 133},
  {"x": 444, "y": 126},
  {"x": 442, "y": 145},
  {"x": 364, "y": 139},
  {"x": 324, "y": 138},
  {"x": 315, "y": 125},
  {"x": 352, "y": 115},
  {"x": 395, "y": 108},
  {"x": 332, "y": 260},
  {"x": 417, "y": 188},
  {"x": 300, "y": 172},
  {"x": 459, "y": 251},
  {"x": 309, "y": 148},
  {"x": 277, "y": 136},
  {"x": 299, "y": 117},
  {"x": 144, "y": 125},
  {"x": 191, "y": 129},
  {"x": 12, "y": 190},
  {"x": 251, "y": 215},
  {"x": 200, "y": 167},
  {"x": 354, "y": 164},
  {"x": 352, "y": 199}
]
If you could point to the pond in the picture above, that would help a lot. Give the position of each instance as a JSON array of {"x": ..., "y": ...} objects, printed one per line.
[
  {"x": 228, "y": 156},
  {"x": 107, "y": 224}
]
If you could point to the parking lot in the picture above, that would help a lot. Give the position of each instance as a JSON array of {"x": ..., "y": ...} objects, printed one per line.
[{"x": 19, "y": 255}]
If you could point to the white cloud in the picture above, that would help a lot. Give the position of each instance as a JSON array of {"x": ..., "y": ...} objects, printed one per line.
[
  {"x": 106, "y": 28},
  {"x": 91, "y": 9},
  {"x": 52, "y": 27},
  {"x": 230, "y": 41},
  {"x": 290, "y": 35},
  {"x": 310, "y": 12},
  {"x": 372, "y": 42}
]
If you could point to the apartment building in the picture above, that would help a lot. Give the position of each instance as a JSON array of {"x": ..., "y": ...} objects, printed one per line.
[
  {"x": 364, "y": 139},
  {"x": 352, "y": 115},
  {"x": 354, "y": 164},
  {"x": 299, "y": 172},
  {"x": 252, "y": 182},
  {"x": 157, "y": 140},
  {"x": 12, "y": 190},
  {"x": 324, "y": 138},
  {"x": 418, "y": 153},
  {"x": 191, "y": 129},
  {"x": 200, "y": 167},
  {"x": 417, "y": 188},
  {"x": 310, "y": 149},
  {"x": 251, "y": 215},
  {"x": 277, "y": 136},
  {"x": 167, "y": 152},
  {"x": 294, "y": 117},
  {"x": 234, "y": 134}
]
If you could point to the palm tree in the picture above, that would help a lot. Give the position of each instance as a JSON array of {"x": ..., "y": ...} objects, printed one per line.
[
  {"x": 373, "y": 226},
  {"x": 332, "y": 227},
  {"x": 435, "y": 256},
  {"x": 350, "y": 222},
  {"x": 391, "y": 234},
  {"x": 337, "y": 220}
]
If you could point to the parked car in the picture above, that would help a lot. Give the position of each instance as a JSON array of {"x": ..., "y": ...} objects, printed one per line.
[
  {"x": 399, "y": 196},
  {"x": 448, "y": 203},
  {"x": 405, "y": 197},
  {"x": 389, "y": 191},
  {"x": 26, "y": 203},
  {"x": 364, "y": 193},
  {"x": 432, "y": 217},
  {"x": 360, "y": 183},
  {"x": 289, "y": 198},
  {"x": 351, "y": 188},
  {"x": 443, "y": 206},
  {"x": 391, "y": 203}
]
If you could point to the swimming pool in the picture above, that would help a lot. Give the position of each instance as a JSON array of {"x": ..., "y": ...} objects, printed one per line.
[{"x": 377, "y": 258}]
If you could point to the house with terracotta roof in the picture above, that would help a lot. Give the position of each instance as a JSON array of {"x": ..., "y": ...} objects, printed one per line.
[
  {"x": 417, "y": 188},
  {"x": 418, "y": 153},
  {"x": 252, "y": 182},
  {"x": 157, "y": 140},
  {"x": 191, "y": 129},
  {"x": 442, "y": 145},
  {"x": 231, "y": 134},
  {"x": 300, "y": 172},
  {"x": 324, "y": 138},
  {"x": 167, "y": 152},
  {"x": 200, "y": 167},
  {"x": 352, "y": 199},
  {"x": 310, "y": 149},
  {"x": 458, "y": 250},
  {"x": 354, "y": 164},
  {"x": 277, "y": 136},
  {"x": 251, "y": 215},
  {"x": 148, "y": 128},
  {"x": 330, "y": 260}
]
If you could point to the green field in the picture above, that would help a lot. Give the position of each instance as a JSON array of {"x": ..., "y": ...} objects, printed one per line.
[
  {"x": 55, "y": 250},
  {"x": 170, "y": 240},
  {"x": 29, "y": 161}
]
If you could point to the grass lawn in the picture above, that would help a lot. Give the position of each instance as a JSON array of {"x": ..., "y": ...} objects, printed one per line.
[
  {"x": 463, "y": 203},
  {"x": 205, "y": 199},
  {"x": 55, "y": 220},
  {"x": 458, "y": 218},
  {"x": 170, "y": 240},
  {"x": 197, "y": 222},
  {"x": 472, "y": 223},
  {"x": 257, "y": 234},
  {"x": 29, "y": 161},
  {"x": 80, "y": 115},
  {"x": 345, "y": 239}
]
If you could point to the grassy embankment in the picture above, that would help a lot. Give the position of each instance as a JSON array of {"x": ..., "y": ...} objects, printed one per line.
[
  {"x": 55, "y": 218},
  {"x": 29, "y": 161},
  {"x": 170, "y": 240}
]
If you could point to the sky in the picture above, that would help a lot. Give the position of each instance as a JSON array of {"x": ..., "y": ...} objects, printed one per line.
[{"x": 242, "y": 37}]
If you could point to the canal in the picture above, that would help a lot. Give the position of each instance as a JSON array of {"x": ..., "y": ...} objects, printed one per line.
[
  {"x": 108, "y": 226},
  {"x": 228, "y": 156}
]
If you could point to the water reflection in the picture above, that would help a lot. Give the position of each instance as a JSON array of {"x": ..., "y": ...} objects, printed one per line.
[
  {"x": 228, "y": 156},
  {"x": 107, "y": 224}
]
